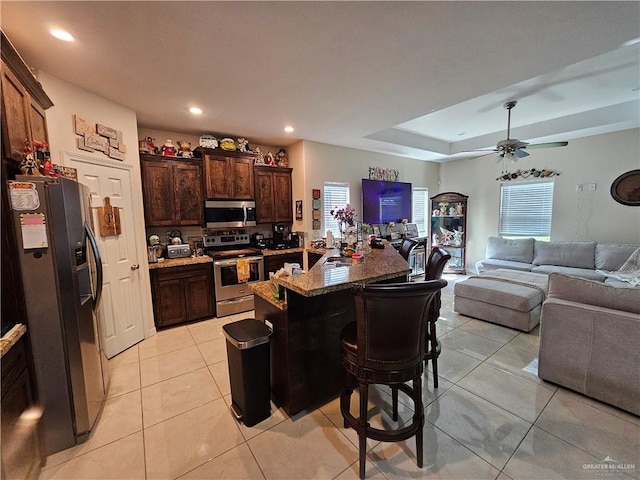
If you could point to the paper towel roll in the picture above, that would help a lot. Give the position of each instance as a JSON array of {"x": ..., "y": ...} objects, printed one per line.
[{"x": 329, "y": 241}]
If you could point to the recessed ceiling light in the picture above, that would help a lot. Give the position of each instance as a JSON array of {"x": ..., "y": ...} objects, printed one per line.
[
  {"x": 196, "y": 110},
  {"x": 288, "y": 129},
  {"x": 62, "y": 35}
]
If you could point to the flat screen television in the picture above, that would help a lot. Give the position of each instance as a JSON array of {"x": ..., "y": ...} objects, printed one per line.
[{"x": 384, "y": 201}]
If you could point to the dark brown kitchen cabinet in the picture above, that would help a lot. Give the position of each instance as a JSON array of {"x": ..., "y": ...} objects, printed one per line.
[
  {"x": 227, "y": 175},
  {"x": 22, "y": 449},
  {"x": 273, "y": 194},
  {"x": 273, "y": 263},
  {"x": 172, "y": 191},
  {"x": 182, "y": 294},
  {"x": 23, "y": 104}
]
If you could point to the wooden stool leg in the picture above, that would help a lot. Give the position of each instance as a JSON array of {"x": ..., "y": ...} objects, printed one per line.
[
  {"x": 362, "y": 430},
  {"x": 345, "y": 396},
  {"x": 418, "y": 417}
]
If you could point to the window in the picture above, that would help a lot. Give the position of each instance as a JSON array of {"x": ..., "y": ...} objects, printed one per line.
[
  {"x": 336, "y": 195},
  {"x": 420, "y": 210},
  {"x": 525, "y": 210}
]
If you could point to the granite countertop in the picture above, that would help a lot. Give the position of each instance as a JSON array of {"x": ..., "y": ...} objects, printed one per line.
[
  {"x": 11, "y": 337},
  {"x": 379, "y": 264},
  {"x": 179, "y": 262},
  {"x": 263, "y": 290},
  {"x": 267, "y": 252}
]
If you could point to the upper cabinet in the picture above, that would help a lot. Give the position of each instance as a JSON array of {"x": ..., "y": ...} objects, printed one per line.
[
  {"x": 23, "y": 104},
  {"x": 273, "y": 194},
  {"x": 172, "y": 190},
  {"x": 227, "y": 175}
]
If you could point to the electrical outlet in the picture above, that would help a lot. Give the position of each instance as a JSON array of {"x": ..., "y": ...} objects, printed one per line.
[
  {"x": 592, "y": 187},
  {"x": 579, "y": 187}
]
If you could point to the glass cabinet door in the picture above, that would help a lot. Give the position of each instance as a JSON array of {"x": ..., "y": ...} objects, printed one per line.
[{"x": 449, "y": 228}]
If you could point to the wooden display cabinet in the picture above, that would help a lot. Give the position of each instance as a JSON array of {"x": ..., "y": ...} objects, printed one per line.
[
  {"x": 449, "y": 228},
  {"x": 172, "y": 190},
  {"x": 274, "y": 202}
]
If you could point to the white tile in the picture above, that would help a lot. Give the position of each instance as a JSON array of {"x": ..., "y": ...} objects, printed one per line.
[
  {"x": 514, "y": 394},
  {"x": 169, "y": 365},
  {"x": 214, "y": 351},
  {"x": 308, "y": 447},
  {"x": 485, "y": 429},
  {"x": 453, "y": 365},
  {"x": 130, "y": 355},
  {"x": 164, "y": 342},
  {"x": 220, "y": 372},
  {"x": 469, "y": 344},
  {"x": 517, "y": 361},
  {"x": 489, "y": 330},
  {"x": 236, "y": 464},
  {"x": 594, "y": 431},
  {"x": 184, "y": 442},
  {"x": 207, "y": 330},
  {"x": 122, "y": 459},
  {"x": 123, "y": 379},
  {"x": 169, "y": 398}
]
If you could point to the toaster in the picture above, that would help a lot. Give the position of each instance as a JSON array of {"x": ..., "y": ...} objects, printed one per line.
[{"x": 178, "y": 251}]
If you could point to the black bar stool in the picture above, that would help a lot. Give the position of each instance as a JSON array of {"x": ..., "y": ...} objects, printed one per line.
[{"x": 385, "y": 346}]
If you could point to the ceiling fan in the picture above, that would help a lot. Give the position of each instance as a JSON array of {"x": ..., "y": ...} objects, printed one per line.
[{"x": 511, "y": 149}]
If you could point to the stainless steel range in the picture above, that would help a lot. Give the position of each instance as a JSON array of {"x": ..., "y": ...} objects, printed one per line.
[{"x": 235, "y": 265}]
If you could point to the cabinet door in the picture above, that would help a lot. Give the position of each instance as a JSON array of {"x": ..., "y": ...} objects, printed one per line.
[
  {"x": 188, "y": 194},
  {"x": 283, "y": 205},
  {"x": 242, "y": 174},
  {"x": 217, "y": 177},
  {"x": 37, "y": 122},
  {"x": 15, "y": 121},
  {"x": 169, "y": 302},
  {"x": 265, "y": 209},
  {"x": 199, "y": 296},
  {"x": 157, "y": 190}
]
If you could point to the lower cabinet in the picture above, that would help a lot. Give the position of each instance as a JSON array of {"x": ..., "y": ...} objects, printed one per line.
[
  {"x": 22, "y": 448},
  {"x": 273, "y": 263},
  {"x": 182, "y": 294},
  {"x": 312, "y": 259}
]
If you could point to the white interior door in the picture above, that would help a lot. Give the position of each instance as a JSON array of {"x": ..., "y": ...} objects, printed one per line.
[{"x": 120, "y": 311}]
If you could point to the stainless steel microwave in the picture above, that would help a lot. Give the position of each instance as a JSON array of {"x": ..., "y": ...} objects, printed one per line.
[{"x": 229, "y": 213}]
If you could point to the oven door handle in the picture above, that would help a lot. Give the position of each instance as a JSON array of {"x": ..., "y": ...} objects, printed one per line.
[{"x": 234, "y": 261}]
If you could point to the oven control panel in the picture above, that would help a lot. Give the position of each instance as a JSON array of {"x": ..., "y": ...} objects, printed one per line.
[{"x": 225, "y": 240}]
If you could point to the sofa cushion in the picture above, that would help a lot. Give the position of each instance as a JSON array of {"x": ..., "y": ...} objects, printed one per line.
[
  {"x": 589, "y": 292},
  {"x": 565, "y": 254},
  {"x": 495, "y": 263},
  {"x": 574, "y": 272},
  {"x": 515, "y": 250},
  {"x": 611, "y": 257}
]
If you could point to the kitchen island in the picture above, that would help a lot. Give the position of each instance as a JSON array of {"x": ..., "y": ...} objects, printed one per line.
[{"x": 306, "y": 362}]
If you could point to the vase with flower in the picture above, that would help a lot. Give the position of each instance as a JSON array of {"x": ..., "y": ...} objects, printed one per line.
[{"x": 347, "y": 224}]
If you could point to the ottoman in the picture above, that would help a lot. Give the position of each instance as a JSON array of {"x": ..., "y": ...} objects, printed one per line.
[{"x": 512, "y": 305}]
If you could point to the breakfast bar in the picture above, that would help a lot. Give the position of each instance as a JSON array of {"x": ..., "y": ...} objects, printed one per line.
[{"x": 306, "y": 368}]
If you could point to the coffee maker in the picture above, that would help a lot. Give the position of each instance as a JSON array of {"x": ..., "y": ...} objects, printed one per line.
[{"x": 279, "y": 235}]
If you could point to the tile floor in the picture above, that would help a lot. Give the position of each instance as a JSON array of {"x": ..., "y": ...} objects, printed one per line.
[{"x": 167, "y": 416}]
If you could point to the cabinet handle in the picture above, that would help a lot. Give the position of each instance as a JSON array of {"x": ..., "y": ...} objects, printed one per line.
[{"x": 135, "y": 266}]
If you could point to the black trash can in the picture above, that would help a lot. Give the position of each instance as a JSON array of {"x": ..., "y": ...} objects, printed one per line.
[{"x": 248, "y": 356}]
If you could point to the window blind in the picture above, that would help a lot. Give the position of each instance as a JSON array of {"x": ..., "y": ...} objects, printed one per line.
[
  {"x": 525, "y": 209},
  {"x": 336, "y": 195},
  {"x": 420, "y": 210}
]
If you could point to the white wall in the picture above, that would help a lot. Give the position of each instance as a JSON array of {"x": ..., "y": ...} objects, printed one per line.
[
  {"x": 69, "y": 100},
  {"x": 329, "y": 163},
  {"x": 588, "y": 215}
]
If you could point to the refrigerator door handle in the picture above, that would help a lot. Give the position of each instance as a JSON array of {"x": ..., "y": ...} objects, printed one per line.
[{"x": 96, "y": 254}]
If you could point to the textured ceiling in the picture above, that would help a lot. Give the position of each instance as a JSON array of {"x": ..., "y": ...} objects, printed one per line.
[{"x": 419, "y": 79}]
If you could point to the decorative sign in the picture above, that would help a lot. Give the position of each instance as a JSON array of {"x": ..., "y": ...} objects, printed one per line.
[
  {"x": 390, "y": 174},
  {"x": 23, "y": 196},
  {"x": 96, "y": 137},
  {"x": 315, "y": 213},
  {"x": 109, "y": 218},
  {"x": 535, "y": 173}
]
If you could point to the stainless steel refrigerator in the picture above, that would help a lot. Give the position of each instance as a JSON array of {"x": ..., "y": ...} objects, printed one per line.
[{"x": 62, "y": 277}]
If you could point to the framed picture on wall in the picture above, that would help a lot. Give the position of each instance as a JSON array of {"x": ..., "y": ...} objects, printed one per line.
[
  {"x": 298, "y": 209},
  {"x": 626, "y": 188}
]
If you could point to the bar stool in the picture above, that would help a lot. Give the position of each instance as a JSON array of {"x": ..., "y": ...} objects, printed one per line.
[
  {"x": 435, "y": 266},
  {"x": 406, "y": 247},
  {"x": 384, "y": 346}
]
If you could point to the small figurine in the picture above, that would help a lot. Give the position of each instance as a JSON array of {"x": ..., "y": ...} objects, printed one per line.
[
  {"x": 452, "y": 210},
  {"x": 29, "y": 164},
  {"x": 151, "y": 148},
  {"x": 184, "y": 149},
  {"x": 259, "y": 160},
  {"x": 282, "y": 158},
  {"x": 243, "y": 145},
  {"x": 459, "y": 209},
  {"x": 270, "y": 160},
  {"x": 168, "y": 148}
]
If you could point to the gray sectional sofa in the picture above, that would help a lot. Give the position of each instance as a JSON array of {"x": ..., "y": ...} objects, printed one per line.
[
  {"x": 579, "y": 259},
  {"x": 589, "y": 340}
]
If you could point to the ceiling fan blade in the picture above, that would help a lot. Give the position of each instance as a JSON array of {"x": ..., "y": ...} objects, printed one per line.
[
  {"x": 520, "y": 153},
  {"x": 499, "y": 158},
  {"x": 547, "y": 145}
]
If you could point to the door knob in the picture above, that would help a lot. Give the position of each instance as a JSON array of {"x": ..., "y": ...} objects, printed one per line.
[{"x": 135, "y": 266}]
